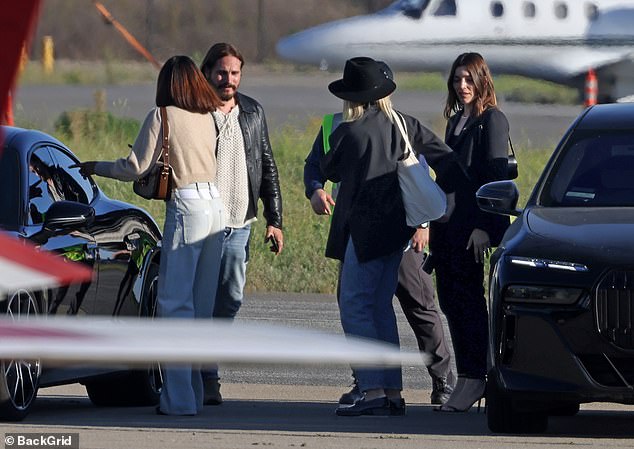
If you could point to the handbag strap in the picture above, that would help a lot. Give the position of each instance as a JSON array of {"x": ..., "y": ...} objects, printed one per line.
[
  {"x": 165, "y": 143},
  {"x": 481, "y": 127},
  {"x": 402, "y": 127}
]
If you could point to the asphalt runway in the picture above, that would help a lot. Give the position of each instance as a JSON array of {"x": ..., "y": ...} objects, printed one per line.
[
  {"x": 293, "y": 407},
  {"x": 289, "y": 100}
]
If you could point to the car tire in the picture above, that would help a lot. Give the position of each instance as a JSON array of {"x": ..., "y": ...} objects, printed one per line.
[
  {"x": 19, "y": 379},
  {"x": 136, "y": 387},
  {"x": 502, "y": 414}
]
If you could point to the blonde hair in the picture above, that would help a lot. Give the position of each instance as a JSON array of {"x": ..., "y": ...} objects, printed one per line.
[{"x": 354, "y": 111}]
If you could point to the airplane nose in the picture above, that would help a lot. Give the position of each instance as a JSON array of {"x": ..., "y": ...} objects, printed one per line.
[{"x": 302, "y": 47}]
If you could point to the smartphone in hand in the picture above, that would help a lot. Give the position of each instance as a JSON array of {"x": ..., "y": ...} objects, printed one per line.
[{"x": 275, "y": 248}]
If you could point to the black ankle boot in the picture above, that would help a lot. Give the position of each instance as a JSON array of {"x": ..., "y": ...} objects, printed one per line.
[{"x": 441, "y": 389}]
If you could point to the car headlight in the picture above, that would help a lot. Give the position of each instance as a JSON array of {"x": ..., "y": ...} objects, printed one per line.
[
  {"x": 546, "y": 263},
  {"x": 542, "y": 294}
]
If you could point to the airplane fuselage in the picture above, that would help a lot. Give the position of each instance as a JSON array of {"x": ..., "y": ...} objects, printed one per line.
[{"x": 553, "y": 40}]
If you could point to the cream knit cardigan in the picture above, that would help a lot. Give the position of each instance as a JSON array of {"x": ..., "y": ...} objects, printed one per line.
[{"x": 192, "y": 154}]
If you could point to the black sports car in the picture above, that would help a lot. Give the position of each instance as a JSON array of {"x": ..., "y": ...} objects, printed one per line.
[
  {"x": 52, "y": 205},
  {"x": 561, "y": 297}
]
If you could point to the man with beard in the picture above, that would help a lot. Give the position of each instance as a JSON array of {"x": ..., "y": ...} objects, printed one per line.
[{"x": 246, "y": 172}]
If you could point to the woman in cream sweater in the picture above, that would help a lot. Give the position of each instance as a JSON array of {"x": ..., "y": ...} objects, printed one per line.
[{"x": 194, "y": 224}]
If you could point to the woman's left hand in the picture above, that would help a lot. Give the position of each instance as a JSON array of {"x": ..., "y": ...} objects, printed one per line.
[
  {"x": 481, "y": 244},
  {"x": 85, "y": 168}
]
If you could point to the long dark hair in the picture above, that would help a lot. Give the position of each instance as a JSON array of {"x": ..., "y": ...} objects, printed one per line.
[
  {"x": 484, "y": 91},
  {"x": 216, "y": 52},
  {"x": 181, "y": 84}
]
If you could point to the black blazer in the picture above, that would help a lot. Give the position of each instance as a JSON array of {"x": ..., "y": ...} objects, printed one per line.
[
  {"x": 369, "y": 208},
  {"x": 482, "y": 150}
]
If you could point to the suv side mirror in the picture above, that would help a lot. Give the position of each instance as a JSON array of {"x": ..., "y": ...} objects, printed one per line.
[
  {"x": 61, "y": 217},
  {"x": 68, "y": 215},
  {"x": 499, "y": 197}
]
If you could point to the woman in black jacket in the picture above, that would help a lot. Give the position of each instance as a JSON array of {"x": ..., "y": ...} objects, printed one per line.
[
  {"x": 368, "y": 231},
  {"x": 479, "y": 133}
]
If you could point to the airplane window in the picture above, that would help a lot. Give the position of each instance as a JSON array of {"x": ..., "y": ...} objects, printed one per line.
[
  {"x": 497, "y": 9},
  {"x": 561, "y": 10},
  {"x": 446, "y": 8},
  {"x": 529, "y": 9},
  {"x": 592, "y": 12},
  {"x": 411, "y": 8}
]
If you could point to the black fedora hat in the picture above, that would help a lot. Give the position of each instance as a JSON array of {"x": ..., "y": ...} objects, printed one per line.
[{"x": 364, "y": 80}]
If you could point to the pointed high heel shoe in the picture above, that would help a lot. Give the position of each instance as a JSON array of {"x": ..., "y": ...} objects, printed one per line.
[{"x": 471, "y": 391}]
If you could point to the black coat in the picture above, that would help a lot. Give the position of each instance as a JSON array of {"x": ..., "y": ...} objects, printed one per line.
[
  {"x": 264, "y": 182},
  {"x": 369, "y": 208},
  {"x": 482, "y": 149}
]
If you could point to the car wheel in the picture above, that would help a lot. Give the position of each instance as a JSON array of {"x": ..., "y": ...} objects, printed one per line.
[
  {"x": 19, "y": 379},
  {"x": 137, "y": 387},
  {"x": 503, "y": 417}
]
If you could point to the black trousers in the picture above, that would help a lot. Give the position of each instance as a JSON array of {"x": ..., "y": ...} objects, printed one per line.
[
  {"x": 459, "y": 280},
  {"x": 415, "y": 292}
]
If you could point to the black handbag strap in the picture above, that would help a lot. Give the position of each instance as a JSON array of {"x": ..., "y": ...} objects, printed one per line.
[{"x": 165, "y": 143}]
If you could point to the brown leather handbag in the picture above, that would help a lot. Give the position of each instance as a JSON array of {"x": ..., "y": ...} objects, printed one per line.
[{"x": 157, "y": 183}]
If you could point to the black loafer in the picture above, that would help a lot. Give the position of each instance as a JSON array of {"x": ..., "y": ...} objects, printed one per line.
[
  {"x": 397, "y": 408},
  {"x": 363, "y": 407}
]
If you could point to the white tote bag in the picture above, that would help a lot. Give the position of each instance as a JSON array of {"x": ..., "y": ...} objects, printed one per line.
[{"x": 423, "y": 199}]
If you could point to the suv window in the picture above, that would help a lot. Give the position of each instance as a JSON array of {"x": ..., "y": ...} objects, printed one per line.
[
  {"x": 595, "y": 170},
  {"x": 9, "y": 189},
  {"x": 76, "y": 187},
  {"x": 43, "y": 188}
]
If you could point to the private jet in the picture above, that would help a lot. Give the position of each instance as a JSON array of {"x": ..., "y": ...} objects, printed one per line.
[{"x": 554, "y": 40}]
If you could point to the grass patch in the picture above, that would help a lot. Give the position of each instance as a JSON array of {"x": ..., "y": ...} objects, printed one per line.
[
  {"x": 510, "y": 87},
  {"x": 302, "y": 266},
  {"x": 107, "y": 72},
  {"x": 112, "y": 72}
]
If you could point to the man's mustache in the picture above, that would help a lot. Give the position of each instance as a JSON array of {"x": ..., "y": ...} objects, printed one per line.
[{"x": 226, "y": 85}]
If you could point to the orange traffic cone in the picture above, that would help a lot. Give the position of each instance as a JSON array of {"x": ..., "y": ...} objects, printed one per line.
[{"x": 591, "y": 88}]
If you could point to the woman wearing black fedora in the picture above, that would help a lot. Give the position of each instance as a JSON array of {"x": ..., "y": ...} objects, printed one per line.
[{"x": 368, "y": 231}]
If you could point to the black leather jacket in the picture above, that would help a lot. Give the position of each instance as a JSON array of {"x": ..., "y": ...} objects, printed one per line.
[{"x": 264, "y": 180}]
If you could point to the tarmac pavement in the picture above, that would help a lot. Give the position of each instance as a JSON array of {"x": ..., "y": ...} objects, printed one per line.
[
  {"x": 293, "y": 407},
  {"x": 283, "y": 416}
]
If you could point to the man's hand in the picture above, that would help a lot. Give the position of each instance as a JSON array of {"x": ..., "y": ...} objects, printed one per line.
[
  {"x": 276, "y": 235},
  {"x": 480, "y": 242},
  {"x": 321, "y": 202},
  {"x": 420, "y": 239}
]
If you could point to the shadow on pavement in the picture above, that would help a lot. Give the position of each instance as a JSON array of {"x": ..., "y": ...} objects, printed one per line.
[{"x": 292, "y": 416}]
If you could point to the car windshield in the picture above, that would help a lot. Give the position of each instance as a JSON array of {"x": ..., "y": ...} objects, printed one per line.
[
  {"x": 9, "y": 189},
  {"x": 596, "y": 169}
]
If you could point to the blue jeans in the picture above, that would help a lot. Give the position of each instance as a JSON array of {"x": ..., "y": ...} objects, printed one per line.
[
  {"x": 233, "y": 268},
  {"x": 366, "y": 310},
  {"x": 190, "y": 261}
]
